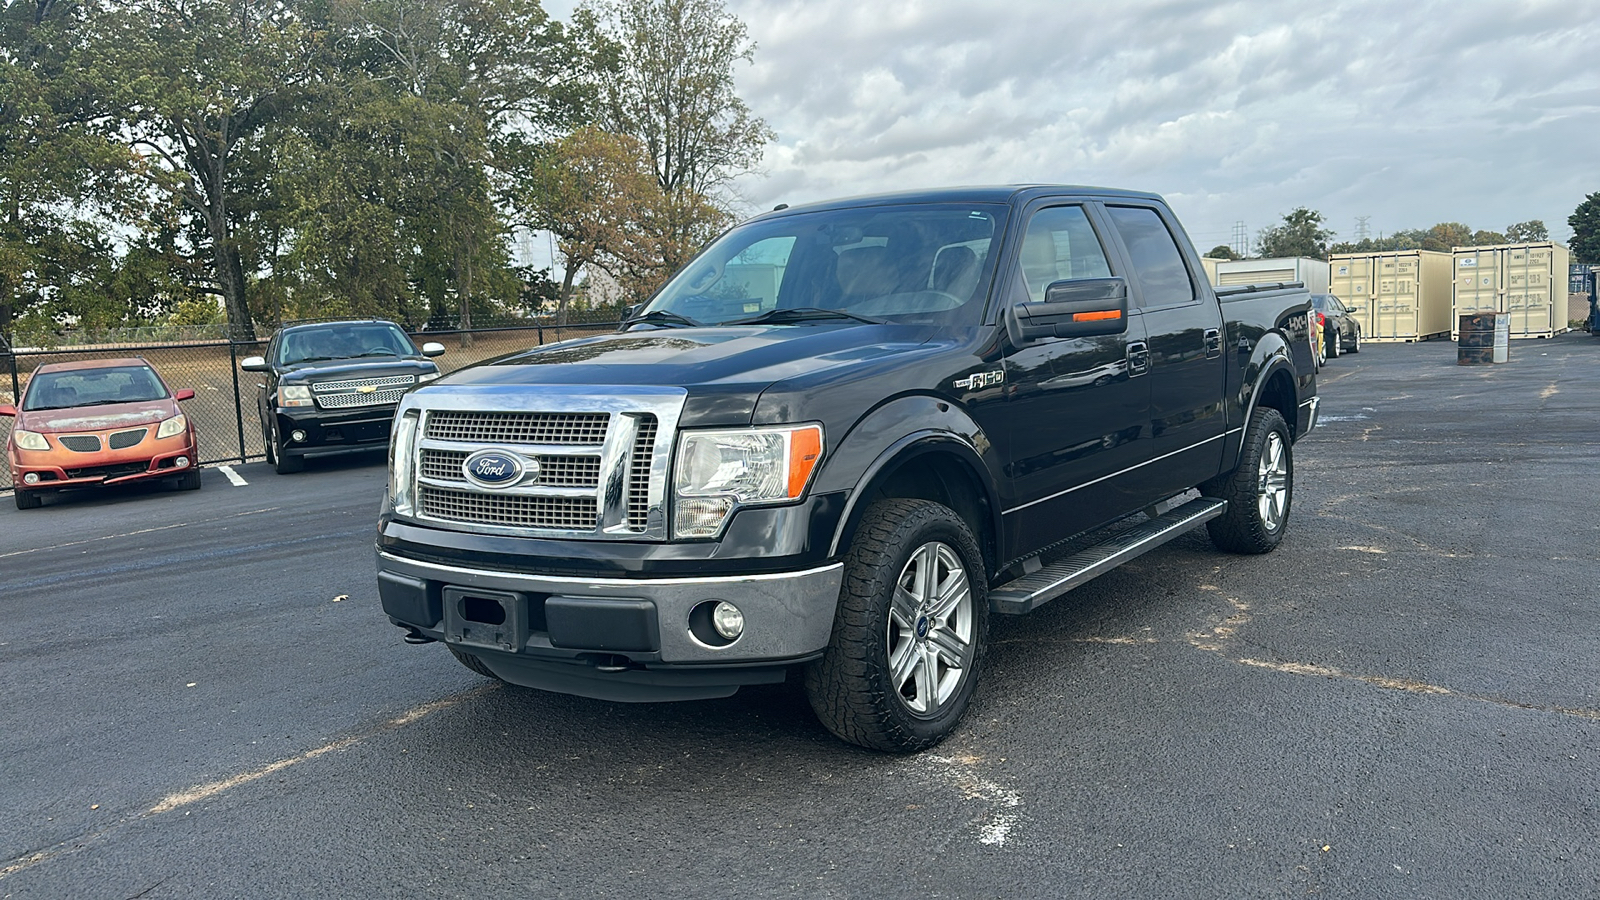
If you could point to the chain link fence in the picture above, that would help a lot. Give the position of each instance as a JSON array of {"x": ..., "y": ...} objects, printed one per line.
[{"x": 226, "y": 418}]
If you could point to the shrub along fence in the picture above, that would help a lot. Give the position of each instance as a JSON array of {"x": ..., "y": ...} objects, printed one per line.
[{"x": 224, "y": 412}]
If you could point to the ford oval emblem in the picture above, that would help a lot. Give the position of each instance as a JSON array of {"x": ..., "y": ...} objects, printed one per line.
[{"x": 497, "y": 468}]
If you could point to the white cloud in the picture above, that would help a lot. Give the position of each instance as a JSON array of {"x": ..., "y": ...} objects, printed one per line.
[{"x": 1482, "y": 112}]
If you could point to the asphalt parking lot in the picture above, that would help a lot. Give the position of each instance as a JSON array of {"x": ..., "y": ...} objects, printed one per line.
[{"x": 202, "y": 699}]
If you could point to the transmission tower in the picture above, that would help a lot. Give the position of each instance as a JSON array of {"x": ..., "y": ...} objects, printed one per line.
[
  {"x": 1241, "y": 240},
  {"x": 1362, "y": 233}
]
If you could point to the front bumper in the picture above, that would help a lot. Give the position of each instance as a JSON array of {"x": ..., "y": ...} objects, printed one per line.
[
  {"x": 59, "y": 467},
  {"x": 330, "y": 433},
  {"x": 614, "y": 638}
]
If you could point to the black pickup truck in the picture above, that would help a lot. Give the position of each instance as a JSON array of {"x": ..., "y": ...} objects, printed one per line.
[{"x": 836, "y": 442}]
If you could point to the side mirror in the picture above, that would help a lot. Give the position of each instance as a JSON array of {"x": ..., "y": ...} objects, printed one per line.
[
  {"x": 433, "y": 348},
  {"x": 254, "y": 364},
  {"x": 632, "y": 311},
  {"x": 185, "y": 394},
  {"x": 1084, "y": 307},
  {"x": 8, "y": 411}
]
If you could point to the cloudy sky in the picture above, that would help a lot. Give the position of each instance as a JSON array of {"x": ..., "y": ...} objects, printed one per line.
[{"x": 1477, "y": 111}]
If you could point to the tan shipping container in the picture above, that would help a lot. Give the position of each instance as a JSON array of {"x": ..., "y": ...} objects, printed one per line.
[
  {"x": 1527, "y": 282},
  {"x": 1397, "y": 295},
  {"x": 1209, "y": 263},
  {"x": 1313, "y": 273}
]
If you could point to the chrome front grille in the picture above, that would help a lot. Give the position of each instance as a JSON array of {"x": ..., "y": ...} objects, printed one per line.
[
  {"x": 593, "y": 465},
  {"x": 514, "y": 511},
  {"x": 358, "y": 392},
  {"x": 580, "y": 429},
  {"x": 559, "y": 471}
]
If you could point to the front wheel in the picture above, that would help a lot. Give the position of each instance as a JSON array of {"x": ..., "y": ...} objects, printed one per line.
[
  {"x": 282, "y": 461},
  {"x": 909, "y": 633},
  {"x": 1335, "y": 344},
  {"x": 27, "y": 499},
  {"x": 1355, "y": 341},
  {"x": 1259, "y": 492}
]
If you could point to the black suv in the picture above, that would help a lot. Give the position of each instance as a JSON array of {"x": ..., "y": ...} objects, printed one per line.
[{"x": 331, "y": 387}]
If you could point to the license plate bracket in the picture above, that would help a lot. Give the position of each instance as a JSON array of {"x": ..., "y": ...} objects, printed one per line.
[{"x": 495, "y": 619}]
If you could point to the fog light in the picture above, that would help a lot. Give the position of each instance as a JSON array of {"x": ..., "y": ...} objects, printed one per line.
[
  {"x": 31, "y": 478},
  {"x": 181, "y": 462},
  {"x": 297, "y": 436},
  {"x": 728, "y": 620}
]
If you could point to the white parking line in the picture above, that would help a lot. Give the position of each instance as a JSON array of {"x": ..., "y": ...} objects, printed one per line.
[{"x": 232, "y": 476}]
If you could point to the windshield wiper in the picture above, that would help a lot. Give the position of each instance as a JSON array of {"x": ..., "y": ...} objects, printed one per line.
[
  {"x": 795, "y": 314},
  {"x": 295, "y": 362},
  {"x": 661, "y": 317},
  {"x": 378, "y": 353}
]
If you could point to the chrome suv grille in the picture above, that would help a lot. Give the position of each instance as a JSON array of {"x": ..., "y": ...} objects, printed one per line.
[
  {"x": 592, "y": 465},
  {"x": 357, "y": 392}
]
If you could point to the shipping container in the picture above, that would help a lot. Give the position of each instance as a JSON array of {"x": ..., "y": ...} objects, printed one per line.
[
  {"x": 1524, "y": 281},
  {"x": 1209, "y": 263},
  {"x": 1398, "y": 295},
  {"x": 1313, "y": 273}
]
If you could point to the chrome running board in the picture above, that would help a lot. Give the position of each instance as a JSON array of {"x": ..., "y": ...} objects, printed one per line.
[{"x": 1038, "y": 588}]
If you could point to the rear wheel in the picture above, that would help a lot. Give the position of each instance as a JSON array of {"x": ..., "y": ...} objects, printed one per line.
[
  {"x": 27, "y": 499},
  {"x": 909, "y": 633},
  {"x": 1259, "y": 492}
]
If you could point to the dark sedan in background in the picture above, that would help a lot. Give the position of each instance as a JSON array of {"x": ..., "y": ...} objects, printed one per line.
[
  {"x": 1341, "y": 333},
  {"x": 331, "y": 387}
]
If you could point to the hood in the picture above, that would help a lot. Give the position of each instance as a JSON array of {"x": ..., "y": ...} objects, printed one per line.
[
  {"x": 724, "y": 369},
  {"x": 101, "y": 417},
  {"x": 366, "y": 367}
]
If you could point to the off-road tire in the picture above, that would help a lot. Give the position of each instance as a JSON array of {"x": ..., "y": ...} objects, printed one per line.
[
  {"x": 852, "y": 689},
  {"x": 27, "y": 499},
  {"x": 1244, "y": 528},
  {"x": 474, "y": 663}
]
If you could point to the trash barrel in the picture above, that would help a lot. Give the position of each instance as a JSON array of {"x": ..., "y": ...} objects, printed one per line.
[{"x": 1476, "y": 345}]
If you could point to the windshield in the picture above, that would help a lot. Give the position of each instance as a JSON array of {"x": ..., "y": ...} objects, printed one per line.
[
  {"x": 344, "y": 341},
  {"x": 92, "y": 387},
  {"x": 915, "y": 263}
]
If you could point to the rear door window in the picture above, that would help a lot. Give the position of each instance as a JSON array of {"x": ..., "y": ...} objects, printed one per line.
[{"x": 1157, "y": 263}]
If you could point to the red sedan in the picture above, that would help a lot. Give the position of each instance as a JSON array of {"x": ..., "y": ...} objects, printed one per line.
[{"x": 95, "y": 422}]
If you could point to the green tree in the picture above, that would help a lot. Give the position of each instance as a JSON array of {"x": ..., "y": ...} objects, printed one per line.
[
  {"x": 1585, "y": 224},
  {"x": 1487, "y": 238},
  {"x": 1301, "y": 234},
  {"x": 673, "y": 90},
  {"x": 596, "y": 193},
  {"x": 1221, "y": 251},
  {"x": 198, "y": 81},
  {"x": 1531, "y": 231},
  {"x": 59, "y": 178}
]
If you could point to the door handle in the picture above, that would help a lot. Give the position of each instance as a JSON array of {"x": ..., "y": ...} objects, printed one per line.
[
  {"x": 1213, "y": 343},
  {"x": 1138, "y": 358}
]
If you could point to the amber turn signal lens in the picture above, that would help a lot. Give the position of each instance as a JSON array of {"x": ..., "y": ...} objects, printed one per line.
[{"x": 805, "y": 448}]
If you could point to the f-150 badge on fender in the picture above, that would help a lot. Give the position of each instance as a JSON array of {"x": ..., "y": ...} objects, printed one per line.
[{"x": 980, "y": 380}]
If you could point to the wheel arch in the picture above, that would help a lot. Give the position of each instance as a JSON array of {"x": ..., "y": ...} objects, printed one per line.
[{"x": 928, "y": 465}]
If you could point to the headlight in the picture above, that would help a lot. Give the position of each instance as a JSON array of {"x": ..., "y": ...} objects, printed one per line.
[
  {"x": 426, "y": 377},
  {"x": 294, "y": 395},
  {"x": 717, "y": 471},
  {"x": 30, "y": 440},
  {"x": 402, "y": 457},
  {"x": 172, "y": 426}
]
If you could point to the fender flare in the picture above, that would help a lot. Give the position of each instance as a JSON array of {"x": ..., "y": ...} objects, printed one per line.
[{"x": 902, "y": 451}]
